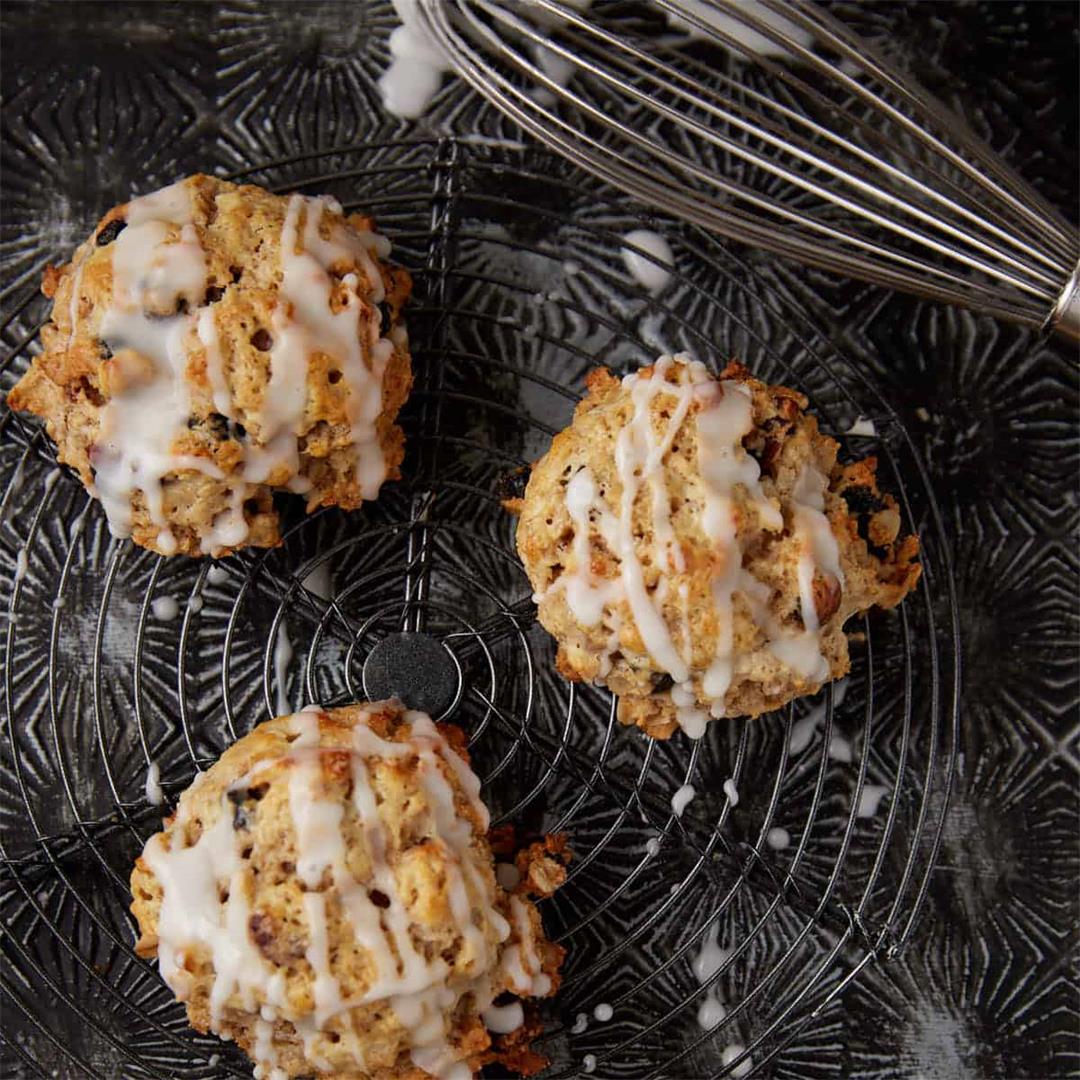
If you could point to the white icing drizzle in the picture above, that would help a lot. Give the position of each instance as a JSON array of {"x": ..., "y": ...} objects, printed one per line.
[
  {"x": 585, "y": 596},
  {"x": 149, "y": 406},
  {"x": 840, "y": 749},
  {"x": 217, "y": 575},
  {"x": 639, "y": 455},
  {"x": 520, "y": 962},
  {"x": 304, "y": 323},
  {"x": 724, "y": 464},
  {"x": 193, "y": 913},
  {"x": 802, "y": 730},
  {"x": 728, "y": 472},
  {"x": 264, "y": 1046},
  {"x": 206, "y": 903},
  {"x": 215, "y": 365},
  {"x": 156, "y": 274}
]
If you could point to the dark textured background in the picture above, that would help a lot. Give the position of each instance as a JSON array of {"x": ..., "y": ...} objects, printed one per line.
[{"x": 101, "y": 98}]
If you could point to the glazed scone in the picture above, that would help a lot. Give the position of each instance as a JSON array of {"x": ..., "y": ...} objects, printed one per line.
[
  {"x": 694, "y": 545},
  {"x": 325, "y": 896},
  {"x": 211, "y": 344}
]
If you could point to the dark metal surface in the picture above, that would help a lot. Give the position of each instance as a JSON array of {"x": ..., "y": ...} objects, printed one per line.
[{"x": 851, "y": 954}]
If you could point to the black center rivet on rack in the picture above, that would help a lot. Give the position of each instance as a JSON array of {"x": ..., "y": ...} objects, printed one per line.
[{"x": 416, "y": 669}]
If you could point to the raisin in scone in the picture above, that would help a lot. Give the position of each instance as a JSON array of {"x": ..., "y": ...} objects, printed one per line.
[
  {"x": 213, "y": 343},
  {"x": 325, "y": 896},
  {"x": 694, "y": 545}
]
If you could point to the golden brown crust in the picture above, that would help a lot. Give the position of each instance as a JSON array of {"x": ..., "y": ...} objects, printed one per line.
[
  {"x": 239, "y": 229},
  {"x": 879, "y": 566},
  {"x": 278, "y": 926}
]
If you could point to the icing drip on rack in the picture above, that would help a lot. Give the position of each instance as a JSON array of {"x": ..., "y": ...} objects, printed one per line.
[
  {"x": 206, "y": 903},
  {"x": 155, "y": 324},
  {"x": 731, "y": 486}
]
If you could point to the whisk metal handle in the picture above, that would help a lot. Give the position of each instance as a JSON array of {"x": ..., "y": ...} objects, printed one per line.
[{"x": 1065, "y": 318}]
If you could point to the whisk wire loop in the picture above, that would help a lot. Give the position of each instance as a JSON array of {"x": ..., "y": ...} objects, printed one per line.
[{"x": 835, "y": 160}]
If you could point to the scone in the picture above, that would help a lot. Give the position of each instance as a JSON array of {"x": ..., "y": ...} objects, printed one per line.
[
  {"x": 325, "y": 896},
  {"x": 211, "y": 344},
  {"x": 694, "y": 545}
]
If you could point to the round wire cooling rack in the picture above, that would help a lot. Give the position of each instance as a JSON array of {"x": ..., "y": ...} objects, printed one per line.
[{"x": 123, "y": 671}]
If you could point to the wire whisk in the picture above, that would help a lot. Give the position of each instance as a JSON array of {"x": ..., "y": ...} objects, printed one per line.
[{"x": 794, "y": 136}]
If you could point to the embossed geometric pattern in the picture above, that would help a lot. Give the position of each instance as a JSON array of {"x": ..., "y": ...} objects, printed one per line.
[{"x": 850, "y": 955}]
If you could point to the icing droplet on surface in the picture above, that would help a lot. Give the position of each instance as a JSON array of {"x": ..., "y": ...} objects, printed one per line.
[
  {"x": 164, "y": 608},
  {"x": 282, "y": 655},
  {"x": 318, "y": 583},
  {"x": 682, "y": 799},
  {"x": 870, "y": 799},
  {"x": 603, "y": 1012},
  {"x": 778, "y": 838},
  {"x": 802, "y": 730},
  {"x": 416, "y": 67},
  {"x": 863, "y": 428},
  {"x": 154, "y": 794},
  {"x": 706, "y": 964},
  {"x": 651, "y": 273},
  {"x": 732, "y": 792},
  {"x": 730, "y": 24},
  {"x": 840, "y": 749},
  {"x": 730, "y": 1053}
]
